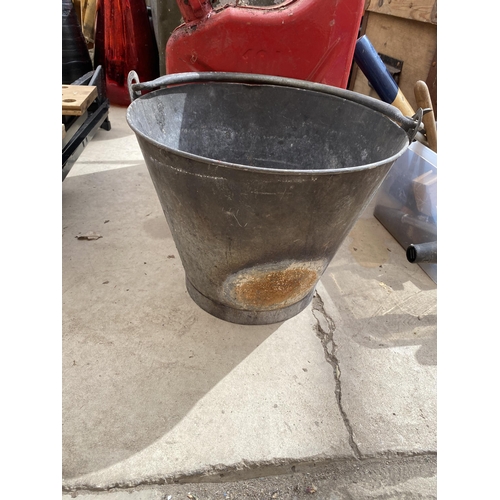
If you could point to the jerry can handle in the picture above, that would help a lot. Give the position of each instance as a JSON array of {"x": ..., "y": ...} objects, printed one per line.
[{"x": 409, "y": 125}]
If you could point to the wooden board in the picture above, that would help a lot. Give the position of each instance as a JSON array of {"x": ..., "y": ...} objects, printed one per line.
[
  {"x": 412, "y": 42},
  {"x": 432, "y": 84},
  {"x": 425, "y": 191},
  {"x": 418, "y": 10},
  {"x": 77, "y": 98}
]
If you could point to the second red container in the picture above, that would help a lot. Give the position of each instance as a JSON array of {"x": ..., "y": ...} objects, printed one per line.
[{"x": 124, "y": 42}]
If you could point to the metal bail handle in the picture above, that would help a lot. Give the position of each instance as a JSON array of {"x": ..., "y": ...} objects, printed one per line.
[
  {"x": 409, "y": 125},
  {"x": 131, "y": 78}
]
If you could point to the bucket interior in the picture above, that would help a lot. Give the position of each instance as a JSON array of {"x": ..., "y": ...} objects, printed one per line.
[{"x": 266, "y": 126}]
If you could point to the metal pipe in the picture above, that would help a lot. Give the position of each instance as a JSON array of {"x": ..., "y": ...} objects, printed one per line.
[
  {"x": 422, "y": 252},
  {"x": 396, "y": 216}
]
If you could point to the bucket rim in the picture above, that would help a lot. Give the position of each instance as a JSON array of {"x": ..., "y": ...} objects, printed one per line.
[{"x": 251, "y": 168}]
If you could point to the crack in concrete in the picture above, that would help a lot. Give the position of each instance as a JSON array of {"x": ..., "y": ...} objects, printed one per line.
[
  {"x": 248, "y": 470},
  {"x": 324, "y": 330}
]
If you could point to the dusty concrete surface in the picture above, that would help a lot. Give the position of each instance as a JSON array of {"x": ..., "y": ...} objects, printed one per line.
[
  {"x": 384, "y": 327},
  {"x": 155, "y": 390},
  {"x": 386, "y": 478}
]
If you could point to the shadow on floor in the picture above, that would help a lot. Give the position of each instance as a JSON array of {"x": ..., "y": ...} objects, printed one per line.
[
  {"x": 138, "y": 353},
  {"x": 384, "y": 300}
]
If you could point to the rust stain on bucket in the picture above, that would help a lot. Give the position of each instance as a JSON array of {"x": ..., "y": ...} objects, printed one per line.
[
  {"x": 275, "y": 287},
  {"x": 272, "y": 287}
]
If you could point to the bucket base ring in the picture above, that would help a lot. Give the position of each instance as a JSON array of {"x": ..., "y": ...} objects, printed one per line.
[{"x": 247, "y": 317}]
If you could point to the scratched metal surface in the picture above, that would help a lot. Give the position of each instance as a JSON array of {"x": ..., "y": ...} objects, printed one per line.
[{"x": 259, "y": 190}]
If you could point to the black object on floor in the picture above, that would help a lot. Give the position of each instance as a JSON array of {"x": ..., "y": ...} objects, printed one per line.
[{"x": 81, "y": 129}]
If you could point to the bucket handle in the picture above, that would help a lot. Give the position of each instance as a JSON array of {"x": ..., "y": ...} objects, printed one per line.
[{"x": 409, "y": 125}]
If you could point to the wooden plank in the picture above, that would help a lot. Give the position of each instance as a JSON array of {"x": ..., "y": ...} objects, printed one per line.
[
  {"x": 412, "y": 42},
  {"x": 425, "y": 191},
  {"x": 78, "y": 10},
  {"x": 417, "y": 10},
  {"x": 355, "y": 68},
  {"x": 432, "y": 83},
  {"x": 77, "y": 98}
]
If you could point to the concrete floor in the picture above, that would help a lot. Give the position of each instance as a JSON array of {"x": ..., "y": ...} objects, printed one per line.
[{"x": 156, "y": 391}]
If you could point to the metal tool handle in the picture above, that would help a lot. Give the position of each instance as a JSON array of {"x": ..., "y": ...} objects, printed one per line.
[{"x": 409, "y": 125}]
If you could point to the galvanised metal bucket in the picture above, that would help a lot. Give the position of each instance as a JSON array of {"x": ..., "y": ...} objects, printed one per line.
[{"x": 261, "y": 178}]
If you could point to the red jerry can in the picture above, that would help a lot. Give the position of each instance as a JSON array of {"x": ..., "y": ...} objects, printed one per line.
[{"x": 311, "y": 40}]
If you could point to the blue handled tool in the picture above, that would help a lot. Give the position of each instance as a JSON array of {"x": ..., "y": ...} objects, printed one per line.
[{"x": 374, "y": 69}]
